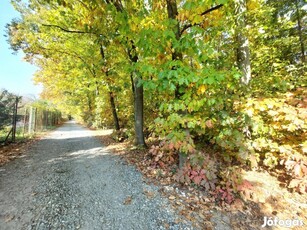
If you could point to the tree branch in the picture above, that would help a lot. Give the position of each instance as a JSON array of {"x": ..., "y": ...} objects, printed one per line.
[
  {"x": 72, "y": 54},
  {"x": 67, "y": 30},
  {"x": 212, "y": 9},
  {"x": 117, "y": 3},
  {"x": 185, "y": 27}
]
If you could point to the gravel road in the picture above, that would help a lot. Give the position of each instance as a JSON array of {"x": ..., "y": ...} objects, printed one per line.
[{"x": 69, "y": 181}]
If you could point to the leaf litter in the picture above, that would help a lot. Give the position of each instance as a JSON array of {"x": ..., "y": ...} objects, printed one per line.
[{"x": 266, "y": 197}]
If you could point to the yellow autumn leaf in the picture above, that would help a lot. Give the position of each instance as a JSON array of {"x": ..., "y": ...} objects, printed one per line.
[
  {"x": 270, "y": 104},
  {"x": 250, "y": 112},
  {"x": 201, "y": 89},
  {"x": 251, "y": 5},
  {"x": 291, "y": 127},
  {"x": 197, "y": 19},
  {"x": 181, "y": 17},
  {"x": 133, "y": 27},
  {"x": 304, "y": 147},
  {"x": 262, "y": 107},
  {"x": 205, "y": 24},
  {"x": 272, "y": 113}
]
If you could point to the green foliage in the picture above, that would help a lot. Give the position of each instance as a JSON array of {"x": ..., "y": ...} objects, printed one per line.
[
  {"x": 7, "y": 102},
  {"x": 188, "y": 67},
  {"x": 43, "y": 105}
]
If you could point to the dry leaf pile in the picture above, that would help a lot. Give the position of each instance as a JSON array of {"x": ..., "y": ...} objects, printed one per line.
[{"x": 266, "y": 197}]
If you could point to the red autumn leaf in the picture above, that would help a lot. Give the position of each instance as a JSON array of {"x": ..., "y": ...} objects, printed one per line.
[
  {"x": 197, "y": 180},
  {"x": 245, "y": 185},
  {"x": 162, "y": 165},
  {"x": 194, "y": 173}
]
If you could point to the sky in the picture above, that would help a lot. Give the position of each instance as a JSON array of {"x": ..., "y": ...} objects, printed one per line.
[{"x": 15, "y": 74}]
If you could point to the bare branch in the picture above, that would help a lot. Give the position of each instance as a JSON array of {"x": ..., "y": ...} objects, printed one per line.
[
  {"x": 67, "y": 30},
  {"x": 185, "y": 27},
  {"x": 212, "y": 9}
]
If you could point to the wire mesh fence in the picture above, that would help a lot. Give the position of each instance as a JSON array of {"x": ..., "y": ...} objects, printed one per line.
[{"x": 19, "y": 120}]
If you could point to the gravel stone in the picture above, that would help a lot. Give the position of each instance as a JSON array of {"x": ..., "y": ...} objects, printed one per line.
[{"x": 69, "y": 181}]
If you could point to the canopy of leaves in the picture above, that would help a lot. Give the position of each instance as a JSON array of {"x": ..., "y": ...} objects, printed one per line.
[{"x": 187, "y": 64}]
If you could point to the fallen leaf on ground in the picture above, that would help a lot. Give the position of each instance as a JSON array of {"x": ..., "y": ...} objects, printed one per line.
[
  {"x": 8, "y": 218},
  {"x": 128, "y": 200},
  {"x": 149, "y": 194}
]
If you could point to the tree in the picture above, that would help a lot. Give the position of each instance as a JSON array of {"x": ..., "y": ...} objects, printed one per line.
[
  {"x": 52, "y": 31},
  {"x": 136, "y": 78},
  {"x": 7, "y": 101},
  {"x": 174, "y": 67},
  {"x": 243, "y": 54},
  {"x": 299, "y": 28}
]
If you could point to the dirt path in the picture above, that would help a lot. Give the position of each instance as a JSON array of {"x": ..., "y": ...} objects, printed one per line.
[{"x": 69, "y": 181}]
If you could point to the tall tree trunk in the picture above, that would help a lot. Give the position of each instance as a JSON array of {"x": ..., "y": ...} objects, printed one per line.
[
  {"x": 299, "y": 27},
  {"x": 111, "y": 95},
  {"x": 172, "y": 12},
  {"x": 243, "y": 53},
  {"x": 132, "y": 83},
  {"x": 89, "y": 101},
  {"x": 138, "y": 96},
  {"x": 114, "y": 112},
  {"x": 138, "y": 112},
  {"x": 137, "y": 89}
]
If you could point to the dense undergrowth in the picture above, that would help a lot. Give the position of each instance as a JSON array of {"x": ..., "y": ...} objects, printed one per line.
[{"x": 262, "y": 134}]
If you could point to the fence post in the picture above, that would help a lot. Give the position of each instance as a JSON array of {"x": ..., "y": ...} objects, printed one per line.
[
  {"x": 35, "y": 120},
  {"x": 14, "y": 123},
  {"x": 24, "y": 122},
  {"x": 31, "y": 120}
]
